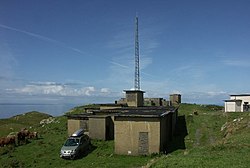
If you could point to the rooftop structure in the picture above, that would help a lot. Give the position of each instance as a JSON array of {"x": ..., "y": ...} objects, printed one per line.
[
  {"x": 175, "y": 99},
  {"x": 134, "y": 98}
]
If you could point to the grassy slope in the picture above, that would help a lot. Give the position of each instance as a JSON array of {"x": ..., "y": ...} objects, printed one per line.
[
  {"x": 28, "y": 120},
  {"x": 205, "y": 145},
  {"x": 44, "y": 152},
  {"x": 209, "y": 146}
]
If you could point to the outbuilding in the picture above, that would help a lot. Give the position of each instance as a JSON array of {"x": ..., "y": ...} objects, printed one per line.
[
  {"x": 144, "y": 130},
  {"x": 238, "y": 103}
]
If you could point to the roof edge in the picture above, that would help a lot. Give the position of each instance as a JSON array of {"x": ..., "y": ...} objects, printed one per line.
[{"x": 240, "y": 95}]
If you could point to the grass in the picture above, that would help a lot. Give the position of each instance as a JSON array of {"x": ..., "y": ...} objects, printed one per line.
[
  {"x": 207, "y": 144},
  {"x": 82, "y": 109},
  {"x": 211, "y": 138},
  {"x": 28, "y": 120},
  {"x": 44, "y": 152}
]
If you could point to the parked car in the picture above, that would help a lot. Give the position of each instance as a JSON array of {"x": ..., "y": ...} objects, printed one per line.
[{"x": 76, "y": 145}]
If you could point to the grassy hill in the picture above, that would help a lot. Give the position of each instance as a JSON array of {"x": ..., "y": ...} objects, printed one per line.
[
  {"x": 44, "y": 152},
  {"x": 213, "y": 139},
  {"x": 28, "y": 120},
  {"x": 206, "y": 137}
]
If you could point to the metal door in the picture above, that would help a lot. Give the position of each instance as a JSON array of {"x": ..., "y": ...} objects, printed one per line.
[{"x": 143, "y": 143}]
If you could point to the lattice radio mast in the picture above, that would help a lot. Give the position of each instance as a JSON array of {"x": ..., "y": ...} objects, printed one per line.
[{"x": 137, "y": 67}]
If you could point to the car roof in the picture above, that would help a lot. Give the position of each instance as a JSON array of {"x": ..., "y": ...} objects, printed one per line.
[{"x": 78, "y": 133}]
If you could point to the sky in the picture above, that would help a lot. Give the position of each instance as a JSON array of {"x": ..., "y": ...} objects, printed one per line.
[{"x": 64, "y": 51}]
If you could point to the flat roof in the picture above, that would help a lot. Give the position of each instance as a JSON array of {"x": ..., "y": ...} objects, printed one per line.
[
  {"x": 232, "y": 100},
  {"x": 240, "y": 95},
  {"x": 99, "y": 116},
  {"x": 143, "y": 114},
  {"x": 144, "y": 108},
  {"x": 134, "y": 91},
  {"x": 77, "y": 116},
  {"x": 146, "y": 112},
  {"x": 87, "y": 116},
  {"x": 112, "y": 105}
]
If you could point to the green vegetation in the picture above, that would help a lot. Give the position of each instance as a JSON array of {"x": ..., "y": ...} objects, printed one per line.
[
  {"x": 82, "y": 109},
  {"x": 28, "y": 120},
  {"x": 215, "y": 139},
  {"x": 44, "y": 152},
  {"x": 206, "y": 137}
]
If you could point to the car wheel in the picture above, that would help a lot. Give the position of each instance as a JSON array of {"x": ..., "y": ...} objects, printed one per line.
[
  {"x": 72, "y": 157},
  {"x": 89, "y": 147}
]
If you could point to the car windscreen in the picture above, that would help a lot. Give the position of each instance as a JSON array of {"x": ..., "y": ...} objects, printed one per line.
[{"x": 71, "y": 142}]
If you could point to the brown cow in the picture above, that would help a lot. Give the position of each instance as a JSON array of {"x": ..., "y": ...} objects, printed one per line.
[
  {"x": 33, "y": 135},
  {"x": 25, "y": 132},
  {"x": 9, "y": 140},
  {"x": 22, "y": 136},
  {"x": 2, "y": 141}
]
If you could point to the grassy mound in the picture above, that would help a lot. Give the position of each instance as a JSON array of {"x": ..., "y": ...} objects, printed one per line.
[
  {"x": 82, "y": 109},
  {"x": 28, "y": 120}
]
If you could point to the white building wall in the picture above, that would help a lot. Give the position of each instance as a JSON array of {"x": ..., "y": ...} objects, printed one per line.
[
  {"x": 244, "y": 99},
  {"x": 229, "y": 106},
  {"x": 238, "y": 106}
]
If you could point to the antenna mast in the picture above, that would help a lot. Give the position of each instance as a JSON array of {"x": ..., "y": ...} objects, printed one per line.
[{"x": 137, "y": 68}]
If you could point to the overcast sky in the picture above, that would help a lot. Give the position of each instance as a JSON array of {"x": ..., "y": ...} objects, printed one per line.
[{"x": 82, "y": 51}]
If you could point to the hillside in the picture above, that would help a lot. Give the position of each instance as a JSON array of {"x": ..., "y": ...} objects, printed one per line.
[
  {"x": 206, "y": 137},
  {"x": 29, "y": 120},
  {"x": 44, "y": 152},
  {"x": 213, "y": 139}
]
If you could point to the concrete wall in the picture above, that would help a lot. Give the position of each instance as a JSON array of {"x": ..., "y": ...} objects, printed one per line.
[
  {"x": 76, "y": 124},
  {"x": 164, "y": 133},
  {"x": 122, "y": 101},
  {"x": 153, "y": 101},
  {"x": 233, "y": 106},
  {"x": 97, "y": 128},
  {"x": 128, "y": 131},
  {"x": 101, "y": 128},
  {"x": 175, "y": 99},
  {"x": 230, "y": 106},
  {"x": 174, "y": 121},
  {"x": 134, "y": 98}
]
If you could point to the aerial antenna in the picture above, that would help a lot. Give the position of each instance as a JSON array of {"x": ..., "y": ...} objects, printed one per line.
[{"x": 137, "y": 67}]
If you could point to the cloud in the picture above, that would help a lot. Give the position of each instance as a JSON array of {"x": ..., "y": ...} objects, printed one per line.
[
  {"x": 43, "y": 38},
  {"x": 119, "y": 65},
  {"x": 38, "y": 88},
  {"x": 191, "y": 71},
  {"x": 87, "y": 91},
  {"x": 59, "y": 89},
  {"x": 176, "y": 92},
  {"x": 236, "y": 62},
  {"x": 210, "y": 97},
  {"x": 213, "y": 93},
  {"x": 45, "y": 91},
  {"x": 105, "y": 90},
  {"x": 57, "y": 93}
]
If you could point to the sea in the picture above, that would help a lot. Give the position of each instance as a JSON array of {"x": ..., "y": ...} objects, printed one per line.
[{"x": 10, "y": 110}]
